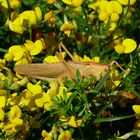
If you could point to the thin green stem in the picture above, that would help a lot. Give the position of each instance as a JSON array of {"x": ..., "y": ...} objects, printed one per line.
[
  {"x": 113, "y": 118},
  {"x": 3, "y": 50},
  {"x": 30, "y": 33}
]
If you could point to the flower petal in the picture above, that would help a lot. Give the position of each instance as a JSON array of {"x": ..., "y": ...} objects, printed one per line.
[
  {"x": 130, "y": 45},
  {"x": 119, "y": 49},
  {"x": 37, "y": 48},
  {"x": 136, "y": 109}
]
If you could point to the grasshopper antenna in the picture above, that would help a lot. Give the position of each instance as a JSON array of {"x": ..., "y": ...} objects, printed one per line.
[
  {"x": 66, "y": 50},
  {"x": 115, "y": 62},
  {"x": 67, "y": 66}
]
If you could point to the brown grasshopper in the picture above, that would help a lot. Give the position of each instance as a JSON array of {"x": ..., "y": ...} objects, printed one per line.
[{"x": 60, "y": 70}]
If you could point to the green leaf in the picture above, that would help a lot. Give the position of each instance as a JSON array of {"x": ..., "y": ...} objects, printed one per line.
[
  {"x": 84, "y": 97},
  {"x": 78, "y": 75},
  {"x": 101, "y": 82},
  {"x": 93, "y": 91},
  {"x": 111, "y": 119},
  {"x": 89, "y": 80},
  {"x": 82, "y": 111},
  {"x": 87, "y": 116}
]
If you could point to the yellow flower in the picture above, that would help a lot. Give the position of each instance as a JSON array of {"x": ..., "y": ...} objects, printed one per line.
[
  {"x": 119, "y": 48},
  {"x": 15, "y": 112},
  {"x": 137, "y": 124},
  {"x": 1, "y": 125},
  {"x": 61, "y": 91},
  {"x": 2, "y": 114},
  {"x": 96, "y": 59},
  {"x": 13, "y": 99},
  {"x": 102, "y": 5},
  {"x": 25, "y": 98},
  {"x": 29, "y": 96},
  {"x": 136, "y": 109},
  {"x": 74, "y": 3},
  {"x": 25, "y": 20},
  {"x": 44, "y": 101},
  {"x": 38, "y": 46},
  {"x": 66, "y": 28},
  {"x": 103, "y": 16},
  {"x": 3, "y": 101},
  {"x": 62, "y": 118},
  {"x": 73, "y": 122},
  {"x": 116, "y": 83},
  {"x": 114, "y": 17},
  {"x": 29, "y": 16},
  {"x": 114, "y": 6},
  {"x": 77, "y": 57},
  {"x": 65, "y": 135},
  {"x": 51, "y": 1},
  {"x": 53, "y": 89},
  {"x": 115, "y": 78},
  {"x": 13, "y": 3},
  {"x": 92, "y": 6},
  {"x": 2, "y": 63},
  {"x": 4, "y": 3},
  {"x": 34, "y": 47},
  {"x": 48, "y": 15},
  {"x": 106, "y": 9},
  {"x": 53, "y": 59},
  {"x": 15, "y": 53},
  {"x": 2, "y": 76},
  {"x": 46, "y": 135},
  {"x": 97, "y": 5},
  {"x": 125, "y": 2},
  {"x": 112, "y": 26},
  {"x": 129, "y": 45},
  {"x": 86, "y": 59},
  {"x": 17, "y": 25},
  {"x": 47, "y": 105},
  {"x": 34, "y": 89},
  {"x": 38, "y": 13},
  {"x": 17, "y": 121},
  {"x": 23, "y": 61},
  {"x": 3, "y": 98},
  {"x": 52, "y": 21},
  {"x": 23, "y": 81},
  {"x": 9, "y": 128},
  {"x": 15, "y": 115}
]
